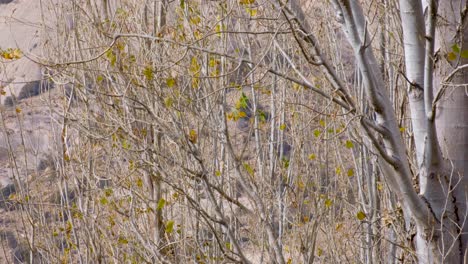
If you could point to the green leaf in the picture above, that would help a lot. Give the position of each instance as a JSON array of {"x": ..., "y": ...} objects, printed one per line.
[
  {"x": 361, "y": 215},
  {"x": 111, "y": 57},
  {"x": 243, "y": 102},
  {"x": 148, "y": 73},
  {"x": 322, "y": 123},
  {"x": 262, "y": 116},
  {"x": 249, "y": 169},
  {"x": 161, "y": 204},
  {"x": 464, "y": 54},
  {"x": 349, "y": 144},
  {"x": 317, "y": 133},
  {"x": 228, "y": 245},
  {"x": 125, "y": 144},
  {"x": 169, "y": 226},
  {"x": 168, "y": 102},
  {"x": 456, "y": 48}
]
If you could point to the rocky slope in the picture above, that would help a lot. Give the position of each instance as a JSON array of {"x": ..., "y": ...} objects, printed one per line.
[{"x": 26, "y": 104}]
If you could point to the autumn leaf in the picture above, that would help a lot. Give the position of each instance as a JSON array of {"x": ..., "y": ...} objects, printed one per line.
[
  {"x": 193, "y": 136},
  {"x": 246, "y": 2},
  {"x": 251, "y": 11},
  {"x": 170, "y": 82},
  {"x": 451, "y": 56},
  {"x": 361, "y": 215},
  {"x": 148, "y": 73}
]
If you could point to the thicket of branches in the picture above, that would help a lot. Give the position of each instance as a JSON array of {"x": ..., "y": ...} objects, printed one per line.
[{"x": 213, "y": 132}]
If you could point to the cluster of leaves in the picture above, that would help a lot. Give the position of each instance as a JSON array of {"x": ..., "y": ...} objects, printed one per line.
[{"x": 11, "y": 53}]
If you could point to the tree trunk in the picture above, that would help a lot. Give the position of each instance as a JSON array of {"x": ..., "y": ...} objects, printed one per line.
[{"x": 451, "y": 113}]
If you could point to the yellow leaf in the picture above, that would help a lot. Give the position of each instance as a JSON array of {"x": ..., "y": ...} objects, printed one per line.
[
  {"x": 322, "y": 123},
  {"x": 218, "y": 29},
  {"x": 296, "y": 86},
  {"x": 170, "y": 82},
  {"x": 319, "y": 252},
  {"x": 213, "y": 62},
  {"x": 328, "y": 202},
  {"x": 242, "y": 114},
  {"x": 251, "y": 11},
  {"x": 282, "y": 126},
  {"x": 361, "y": 215},
  {"x": 312, "y": 156},
  {"x": 451, "y": 56},
  {"x": 246, "y": 2},
  {"x": 16, "y": 53},
  {"x": 349, "y": 144},
  {"x": 122, "y": 240},
  {"x": 350, "y": 172},
  {"x": 195, "y": 20},
  {"x": 338, "y": 170},
  {"x": 139, "y": 182},
  {"x": 18, "y": 110},
  {"x": 380, "y": 186},
  {"x": 339, "y": 227},
  {"x": 193, "y": 136}
]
